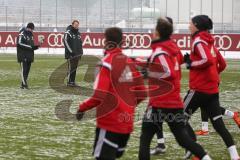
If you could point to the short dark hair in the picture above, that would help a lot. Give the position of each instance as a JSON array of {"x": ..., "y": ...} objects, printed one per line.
[
  {"x": 75, "y": 21},
  {"x": 31, "y": 25},
  {"x": 164, "y": 27},
  {"x": 114, "y": 34}
]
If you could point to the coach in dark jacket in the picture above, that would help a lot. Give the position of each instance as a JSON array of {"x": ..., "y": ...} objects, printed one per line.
[
  {"x": 25, "y": 52},
  {"x": 73, "y": 50}
]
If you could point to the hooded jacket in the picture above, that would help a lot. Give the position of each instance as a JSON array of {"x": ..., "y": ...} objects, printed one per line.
[
  {"x": 220, "y": 61},
  {"x": 72, "y": 42},
  {"x": 165, "y": 72},
  {"x": 203, "y": 73}
]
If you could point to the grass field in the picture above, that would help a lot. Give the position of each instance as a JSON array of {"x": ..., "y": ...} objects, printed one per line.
[{"x": 29, "y": 128}]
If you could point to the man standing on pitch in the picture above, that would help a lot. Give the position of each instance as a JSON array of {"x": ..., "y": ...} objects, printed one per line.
[
  {"x": 73, "y": 50},
  {"x": 25, "y": 52}
]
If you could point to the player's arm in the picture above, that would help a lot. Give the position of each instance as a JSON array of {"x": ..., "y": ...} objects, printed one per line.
[
  {"x": 140, "y": 61},
  {"x": 180, "y": 58},
  {"x": 167, "y": 68},
  {"x": 221, "y": 63},
  {"x": 205, "y": 55},
  {"x": 140, "y": 89},
  {"x": 67, "y": 42},
  {"x": 101, "y": 86}
]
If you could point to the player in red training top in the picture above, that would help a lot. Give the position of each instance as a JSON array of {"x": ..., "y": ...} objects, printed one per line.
[
  {"x": 204, "y": 80},
  {"x": 221, "y": 65},
  {"x": 118, "y": 88},
  {"x": 164, "y": 72}
]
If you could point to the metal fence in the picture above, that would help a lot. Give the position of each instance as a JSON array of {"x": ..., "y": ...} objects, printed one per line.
[{"x": 131, "y": 15}]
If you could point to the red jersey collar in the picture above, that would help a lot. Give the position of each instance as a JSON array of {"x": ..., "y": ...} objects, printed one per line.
[
  {"x": 113, "y": 51},
  {"x": 155, "y": 43}
]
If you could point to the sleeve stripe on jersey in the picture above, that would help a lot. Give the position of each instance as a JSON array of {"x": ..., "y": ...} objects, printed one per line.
[
  {"x": 96, "y": 82},
  {"x": 67, "y": 45},
  {"x": 157, "y": 52},
  {"x": 165, "y": 74},
  {"x": 107, "y": 65},
  {"x": 203, "y": 55},
  {"x": 167, "y": 71},
  {"x": 198, "y": 40}
]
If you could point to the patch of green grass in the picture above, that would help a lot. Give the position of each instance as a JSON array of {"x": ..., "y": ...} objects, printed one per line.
[{"x": 29, "y": 128}]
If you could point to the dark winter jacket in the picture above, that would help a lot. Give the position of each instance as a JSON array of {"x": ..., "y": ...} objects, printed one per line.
[
  {"x": 25, "y": 46},
  {"x": 72, "y": 42}
]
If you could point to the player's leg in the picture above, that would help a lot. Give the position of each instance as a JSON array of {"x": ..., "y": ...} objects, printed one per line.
[
  {"x": 28, "y": 68},
  {"x": 69, "y": 70},
  {"x": 105, "y": 146},
  {"x": 147, "y": 133},
  {"x": 178, "y": 128},
  {"x": 21, "y": 74},
  {"x": 73, "y": 70},
  {"x": 28, "y": 71},
  {"x": 214, "y": 111},
  {"x": 160, "y": 148},
  {"x": 192, "y": 100},
  {"x": 122, "y": 143},
  {"x": 234, "y": 115},
  {"x": 24, "y": 73},
  {"x": 204, "y": 117}
]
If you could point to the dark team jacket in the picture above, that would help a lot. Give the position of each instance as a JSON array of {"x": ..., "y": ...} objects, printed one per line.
[
  {"x": 72, "y": 42},
  {"x": 25, "y": 46},
  {"x": 116, "y": 93}
]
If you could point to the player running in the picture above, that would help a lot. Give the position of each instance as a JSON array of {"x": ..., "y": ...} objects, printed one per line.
[
  {"x": 204, "y": 80},
  {"x": 221, "y": 65},
  {"x": 161, "y": 148},
  {"x": 164, "y": 71},
  {"x": 118, "y": 88}
]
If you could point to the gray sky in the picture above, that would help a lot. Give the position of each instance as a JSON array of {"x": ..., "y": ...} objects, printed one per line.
[{"x": 222, "y": 11}]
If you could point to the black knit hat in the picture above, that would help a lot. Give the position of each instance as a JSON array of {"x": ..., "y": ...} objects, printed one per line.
[
  {"x": 30, "y": 25},
  {"x": 202, "y": 22}
]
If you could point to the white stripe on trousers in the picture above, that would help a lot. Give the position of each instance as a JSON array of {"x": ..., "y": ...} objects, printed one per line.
[
  {"x": 23, "y": 81},
  {"x": 100, "y": 142},
  {"x": 110, "y": 143},
  {"x": 188, "y": 99}
]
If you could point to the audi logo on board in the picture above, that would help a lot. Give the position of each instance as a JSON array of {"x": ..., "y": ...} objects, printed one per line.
[
  {"x": 137, "y": 41},
  {"x": 222, "y": 42},
  {"x": 55, "y": 40}
]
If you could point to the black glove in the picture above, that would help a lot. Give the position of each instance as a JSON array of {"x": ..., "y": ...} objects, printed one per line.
[
  {"x": 35, "y": 47},
  {"x": 79, "y": 115},
  {"x": 144, "y": 72},
  {"x": 187, "y": 60},
  {"x": 186, "y": 57}
]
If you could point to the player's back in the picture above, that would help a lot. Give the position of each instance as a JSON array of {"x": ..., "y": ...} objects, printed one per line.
[{"x": 117, "y": 111}]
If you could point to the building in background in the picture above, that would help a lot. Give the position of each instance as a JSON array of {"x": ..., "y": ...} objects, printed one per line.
[{"x": 132, "y": 15}]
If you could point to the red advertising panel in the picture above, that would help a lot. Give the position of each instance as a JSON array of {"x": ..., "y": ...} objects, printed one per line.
[{"x": 224, "y": 42}]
